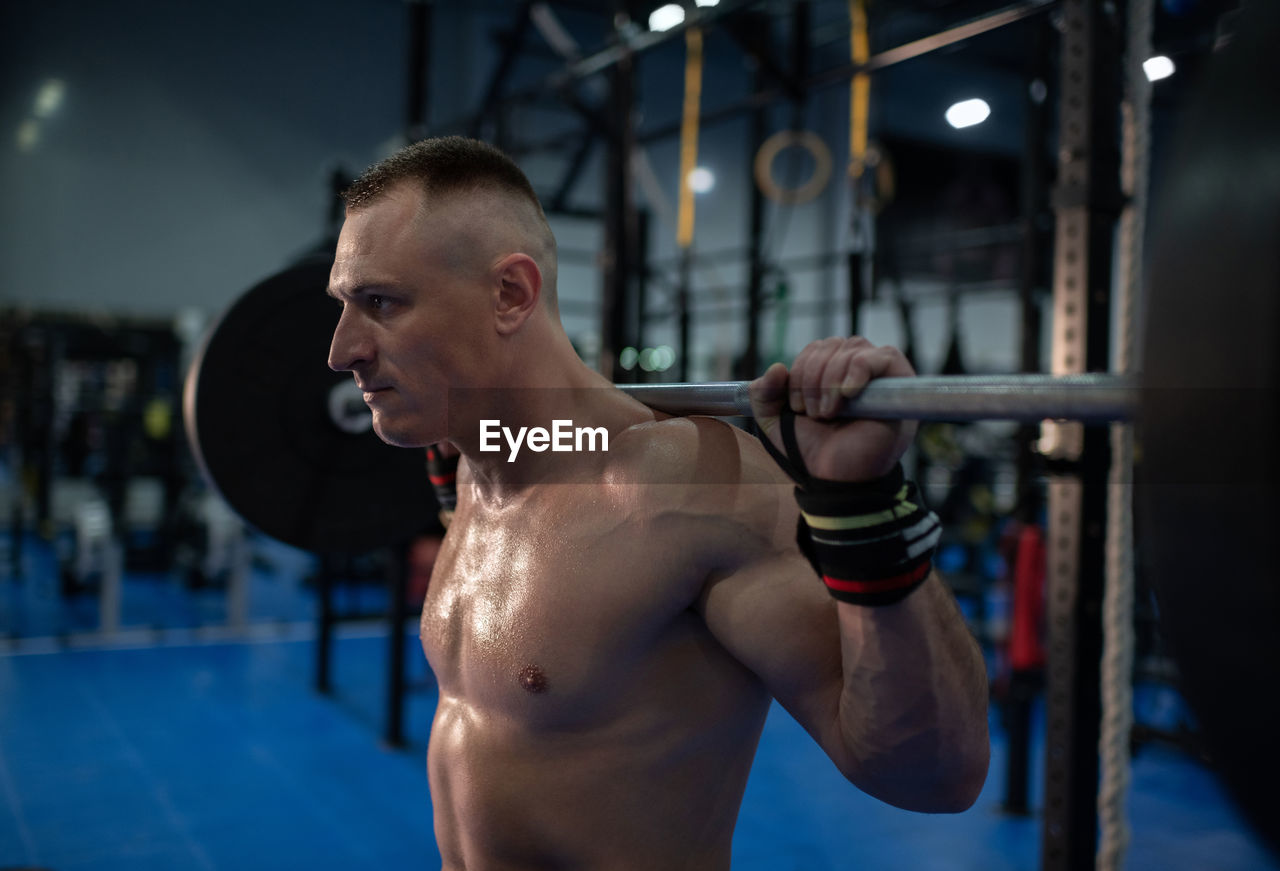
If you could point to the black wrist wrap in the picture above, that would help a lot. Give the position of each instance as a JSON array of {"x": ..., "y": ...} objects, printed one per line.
[
  {"x": 872, "y": 542},
  {"x": 443, "y": 473}
]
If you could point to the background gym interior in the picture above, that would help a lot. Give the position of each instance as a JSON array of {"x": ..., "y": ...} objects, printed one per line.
[{"x": 184, "y": 684}]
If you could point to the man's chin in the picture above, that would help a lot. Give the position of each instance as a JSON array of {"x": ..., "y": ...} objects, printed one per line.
[{"x": 400, "y": 438}]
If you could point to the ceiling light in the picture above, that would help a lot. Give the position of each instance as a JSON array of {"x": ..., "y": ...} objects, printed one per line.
[
  {"x": 666, "y": 17},
  {"x": 702, "y": 3},
  {"x": 1158, "y": 67},
  {"x": 966, "y": 113},
  {"x": 701, "y": 179},
  {"x": 49, "y": 97}
]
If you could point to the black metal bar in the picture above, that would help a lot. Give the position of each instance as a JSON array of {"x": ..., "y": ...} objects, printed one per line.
[
  {"x": 510, "y": 50},
  {"x": 1024, "y": 686},
  {"x": 801, "y": 48},
  {"x": 601, "y": 61},
  {"x": 1034, "y": 244},
  {"x": 1086, "y": 205},
  {"x": 644, "y": 221},
  {"x": 968, "y": 30},
  {"x": 748, "y": 367},
  {"x": 620, "y": 222},
  {"x": 1034, "y": 192},
  {"x": 857, "y": 290},
  {"x": 44, "y": 388},
  {"x": 419, "y": 72},
  {"x": 629, "y": 47},
  {"x": 397, "y": 569},
  {"x": 754, "y": 42},
  {"x": 339, "y": 179},
  {"x": 324, "y": 621},
  {"x": 683, "y": 346},
  {"x": 576, "y": 163},
  {"x": 597, "y": 121}
]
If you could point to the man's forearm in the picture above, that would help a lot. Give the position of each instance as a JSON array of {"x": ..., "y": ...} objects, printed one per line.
[{"x": 913, "y": 713}]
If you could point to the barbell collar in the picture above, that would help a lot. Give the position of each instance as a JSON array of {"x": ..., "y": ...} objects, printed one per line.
[{"x": 1092, "y": 398}]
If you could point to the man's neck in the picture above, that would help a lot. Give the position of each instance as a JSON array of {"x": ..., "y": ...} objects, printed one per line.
[{"x": 549, "y": 424}]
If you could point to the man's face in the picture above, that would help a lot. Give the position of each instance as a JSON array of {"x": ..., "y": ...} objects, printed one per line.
[{"x": 412, "y": 321}]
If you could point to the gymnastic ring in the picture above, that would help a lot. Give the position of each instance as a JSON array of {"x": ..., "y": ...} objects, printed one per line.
[{"x": 805, "y": 139}]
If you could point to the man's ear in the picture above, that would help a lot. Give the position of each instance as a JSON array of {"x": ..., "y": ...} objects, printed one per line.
[{"x": 518, "y": 287}]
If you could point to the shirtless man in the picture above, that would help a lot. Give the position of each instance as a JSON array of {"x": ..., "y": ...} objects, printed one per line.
[{"x": 608, "y": 627}]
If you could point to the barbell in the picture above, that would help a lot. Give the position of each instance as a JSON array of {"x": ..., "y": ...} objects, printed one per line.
[
  {"x": 289, "y": 446},
  {"x": 289, "y": 443},
  {"x": 1092, "y": 398}
]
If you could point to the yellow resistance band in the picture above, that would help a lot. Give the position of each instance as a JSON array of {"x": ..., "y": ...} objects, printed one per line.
[
  {"x": 689, "y": 133},
  {"x": 860, "y": 93}
]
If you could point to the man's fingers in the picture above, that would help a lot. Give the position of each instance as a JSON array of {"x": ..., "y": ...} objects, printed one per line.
[
  {"x": 768, "y": 393},
  {"x": 843, "y": 376},
  {"x": 806, "y": 374},
  {"x": 823, "y": 375}
]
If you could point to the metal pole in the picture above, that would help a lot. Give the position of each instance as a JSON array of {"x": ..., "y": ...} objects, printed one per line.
[
  {"x": 1026, "y": 683},
  {"x": 511, "y": 44},
  {"x": 684, "y": 347},
  {"x": 238, "y": 581},
  {"x": 396, "y": 560},
  {"x": 641, "y": 290},
  {"x": 755, "y": 232},
  {"x": 1087, "y": 201},
  {"x": 1093, "y": 398},
  {"x": 620, "y": 221},
  {"x": 324, "y": 620},
  {"x": 111, "y": 556},
  {"x": 419, "y": 72}
]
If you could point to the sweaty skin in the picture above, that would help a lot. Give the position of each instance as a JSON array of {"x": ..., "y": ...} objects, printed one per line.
[
  {"x": 608, "y": 629},
  {"x": 629, "y": 743}
]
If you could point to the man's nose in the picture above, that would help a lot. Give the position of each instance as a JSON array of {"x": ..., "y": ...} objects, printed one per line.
[{"x": 350, "y": 347}]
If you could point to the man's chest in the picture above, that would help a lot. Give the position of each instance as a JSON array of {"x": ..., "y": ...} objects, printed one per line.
[{"x": 558, "y": 616}]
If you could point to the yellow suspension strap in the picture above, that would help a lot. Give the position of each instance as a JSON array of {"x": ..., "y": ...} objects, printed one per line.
[
  {"x": 689, "y": 134},
  {"x": 860, "y": 92},
  {"x": 688, "y": 161}
]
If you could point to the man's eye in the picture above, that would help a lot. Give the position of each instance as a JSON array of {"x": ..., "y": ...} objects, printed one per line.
[{"x": 376, "y": 302}]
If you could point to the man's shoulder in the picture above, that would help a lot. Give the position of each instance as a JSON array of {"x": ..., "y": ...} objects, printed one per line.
[{"x": 706, "y": 483}]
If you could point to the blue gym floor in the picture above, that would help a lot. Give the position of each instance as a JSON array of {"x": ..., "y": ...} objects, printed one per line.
[{"x": 196, "y": 755}]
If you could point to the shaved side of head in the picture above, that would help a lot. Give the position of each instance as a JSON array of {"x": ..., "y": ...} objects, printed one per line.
[{"x": 473, "y": 190}]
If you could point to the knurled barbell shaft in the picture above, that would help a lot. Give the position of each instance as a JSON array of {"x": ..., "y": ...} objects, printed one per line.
[{"x": 1093, "y": 398}]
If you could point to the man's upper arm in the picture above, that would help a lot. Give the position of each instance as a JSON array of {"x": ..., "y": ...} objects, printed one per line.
[
  {"x": 775, "y": 618},
  {"x": 769, "y": 609},
  {"x": 758, "y": 595}
]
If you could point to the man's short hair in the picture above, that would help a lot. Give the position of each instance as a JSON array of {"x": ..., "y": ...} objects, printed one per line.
[
  {"x": 444, "y": 165},
  {"x": 451, "y": 165}
]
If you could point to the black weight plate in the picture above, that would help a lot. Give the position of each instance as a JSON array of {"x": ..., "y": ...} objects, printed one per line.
[
  {"x": 1210, "y": 476},
  {"x": 257, "y": 417}
]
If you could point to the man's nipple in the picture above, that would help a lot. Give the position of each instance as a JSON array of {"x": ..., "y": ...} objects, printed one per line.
[{"x": 533, "y": 679}]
